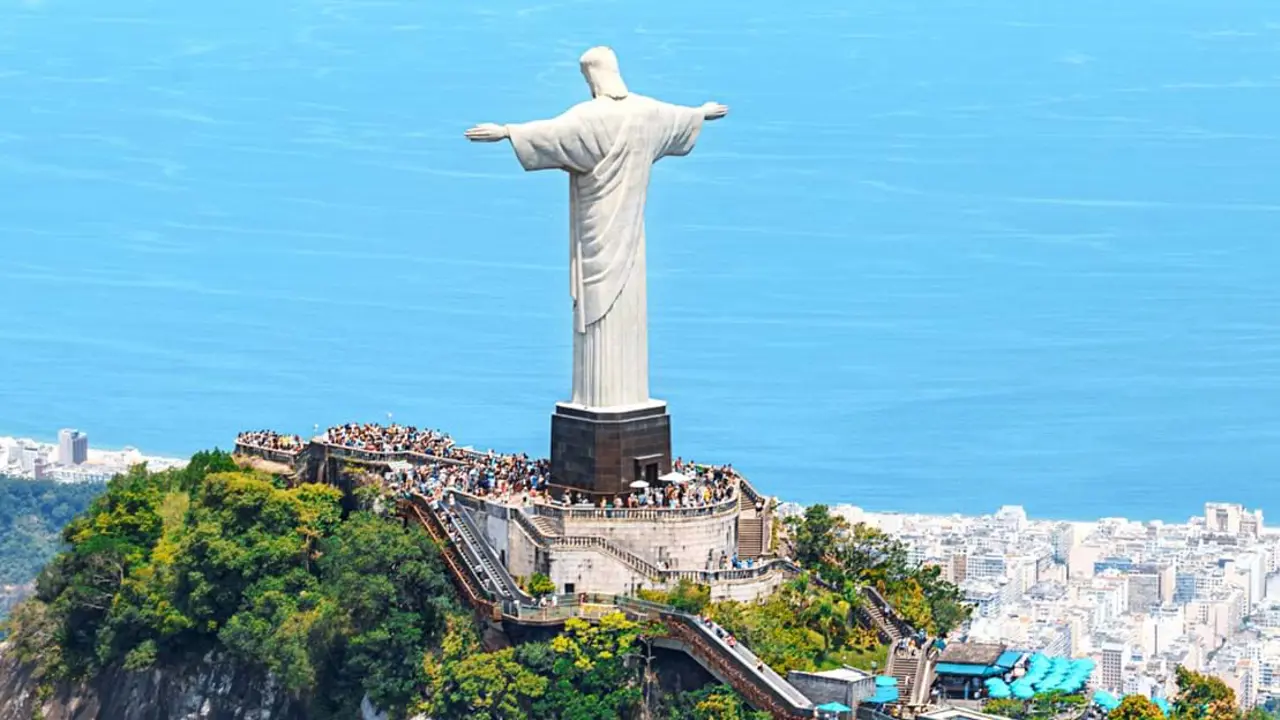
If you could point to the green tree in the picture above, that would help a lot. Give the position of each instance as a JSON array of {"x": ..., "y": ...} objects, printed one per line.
[
  {"x": 689, "y": 597},
  {"x": 540, "y": 585},
  {"x": 860, "y": 555},
  {"x": 591, "y": 677},
  {"x": 491, "y": 686},
  {"x": 802, "y": 626},
  {"x": 872, "y": 556},
  {"x": 713, "y": 702},
  {"x": 1136, "y": 707},
  {"x": 170, "y": 566},
  {"x": 813, "y": 535},
  {"x": 947, "y": 608},
  {"x": 1203, "y": 697}
]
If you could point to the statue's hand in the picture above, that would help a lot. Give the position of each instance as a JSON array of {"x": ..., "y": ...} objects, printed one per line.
[
  {"x": 487, "y": 132},
  {"x": 714, "y": 111}
]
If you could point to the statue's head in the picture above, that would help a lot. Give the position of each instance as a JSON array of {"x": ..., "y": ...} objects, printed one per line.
[{"x": 600, "y": 68}]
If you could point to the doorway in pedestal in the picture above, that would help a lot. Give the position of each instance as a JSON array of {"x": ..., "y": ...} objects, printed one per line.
[{"x": 647, "y": 468}]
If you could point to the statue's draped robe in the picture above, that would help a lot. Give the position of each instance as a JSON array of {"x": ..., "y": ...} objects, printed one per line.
[{"x": 608, "y": 147}]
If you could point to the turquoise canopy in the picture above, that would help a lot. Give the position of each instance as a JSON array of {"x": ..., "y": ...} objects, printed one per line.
[
  {"x": 886, "y": 681},
  {"x": 1106, "y": 700},
  {"x": 884, "y": 695},
  {"x": 998, "y": 688},
  {"x": 834, "y": 707}
]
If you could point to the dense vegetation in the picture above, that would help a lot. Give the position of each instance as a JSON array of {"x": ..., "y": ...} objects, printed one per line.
[
  {"x": 589, "y": 672},
  {"x": 165, "y": 567},
  {"x": 32, "y": 514},
  {"x": 848, "y": 557},
  {"x": 801, "y": 627}
]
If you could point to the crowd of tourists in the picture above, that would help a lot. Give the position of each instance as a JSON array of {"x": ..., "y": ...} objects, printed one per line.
[
  {"x": 686, "y": 492},
  {"x": 515, "y": 478},
  {"x": 392, "y": 439},
  {"x": 270, "y": 440}
]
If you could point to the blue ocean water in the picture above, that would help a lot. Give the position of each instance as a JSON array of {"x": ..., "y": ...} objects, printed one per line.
[{"x": 941, "y": 256}]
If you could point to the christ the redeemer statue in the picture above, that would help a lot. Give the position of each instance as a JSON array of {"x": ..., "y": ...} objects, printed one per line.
[{"x": 608, "y": 146}]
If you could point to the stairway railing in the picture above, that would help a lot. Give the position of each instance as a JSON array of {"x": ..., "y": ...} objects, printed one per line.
[
  {"x": 877, "y": 601},
  {"x": 776, "y": 697},
  {"x": 502, "y": 574},
  {"x": 464, "y": 576}
]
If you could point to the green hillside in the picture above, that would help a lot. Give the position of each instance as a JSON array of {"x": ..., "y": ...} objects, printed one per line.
[{"x": 32, "y": 514}]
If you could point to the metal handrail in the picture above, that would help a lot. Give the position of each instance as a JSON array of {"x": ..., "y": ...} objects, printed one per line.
[
  {"x": 504, "y": 576},
  {"x": 892, "y": 617},
  {"x": 465, "y": 576}
]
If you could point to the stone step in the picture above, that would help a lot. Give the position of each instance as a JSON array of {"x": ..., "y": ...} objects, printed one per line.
[
  {"x": 544, "y": 525},
  {"x": 751, "y": 542}
]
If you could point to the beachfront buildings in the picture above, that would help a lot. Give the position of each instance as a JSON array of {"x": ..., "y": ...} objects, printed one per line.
[
  {"x": 1139, "y": 598},
  {"x": 70, "y": 460}
]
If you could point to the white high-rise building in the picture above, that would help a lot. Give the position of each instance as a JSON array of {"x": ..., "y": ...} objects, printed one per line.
[
  {"x": 73, "y": 447},
  {"x": 1114, "y": 657},
  {"x": 1232, "y": 519}
]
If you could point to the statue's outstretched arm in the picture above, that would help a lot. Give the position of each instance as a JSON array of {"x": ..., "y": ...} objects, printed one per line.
[
  {"x": 714, "y": 111},
  {"x": 487, "y": 132}
]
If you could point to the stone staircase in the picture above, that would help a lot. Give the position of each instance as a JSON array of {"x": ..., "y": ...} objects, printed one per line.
[
  {"x": 544, "y": 526},
  {"x": 751, "y": 540},
  {"x": 544, "y": 532},
  {"x": 904, "y": 669},
  {"x": 886, "y": 628}
]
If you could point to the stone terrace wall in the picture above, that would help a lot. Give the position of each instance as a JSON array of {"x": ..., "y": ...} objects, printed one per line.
[
  {"x": 687, "y": 542},
  {"x": 593, "y": 572}
]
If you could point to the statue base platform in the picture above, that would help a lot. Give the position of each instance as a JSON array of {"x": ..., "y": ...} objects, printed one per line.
[{"x": 602, "y": 451}]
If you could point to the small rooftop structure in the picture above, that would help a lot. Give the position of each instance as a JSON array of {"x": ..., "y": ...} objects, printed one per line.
[
  {"x": 844, "y": 686},
  {"x": 962, "y": 653},
  {"x": 846, "y": 674},
  {"x": 977, "y": 660}
]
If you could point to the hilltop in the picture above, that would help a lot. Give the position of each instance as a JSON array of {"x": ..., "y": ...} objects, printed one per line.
[{"x": 220, "y": 587}]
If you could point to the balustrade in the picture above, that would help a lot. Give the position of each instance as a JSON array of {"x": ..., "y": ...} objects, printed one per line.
[
  {"x": 585, "y": 512},
  {"x": 284, "y": 457}
]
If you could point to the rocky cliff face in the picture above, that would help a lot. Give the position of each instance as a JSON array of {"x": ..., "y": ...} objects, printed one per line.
[
  {"x": 11, "y": 595},
  {"x": 212, "y": 689}
]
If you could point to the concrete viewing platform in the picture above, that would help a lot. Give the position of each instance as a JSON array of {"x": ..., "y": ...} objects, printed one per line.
[{"x": 715, "y": 532}]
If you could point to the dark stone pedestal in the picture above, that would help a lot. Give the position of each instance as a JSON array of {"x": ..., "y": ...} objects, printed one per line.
[{"x": 603, "y": 451}]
